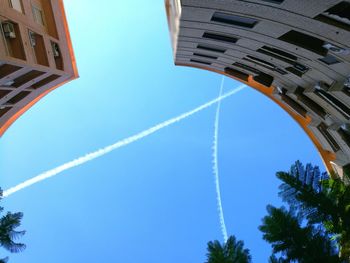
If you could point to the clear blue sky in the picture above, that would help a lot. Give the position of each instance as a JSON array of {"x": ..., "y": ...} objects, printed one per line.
[{"x": 154, "y": 200}]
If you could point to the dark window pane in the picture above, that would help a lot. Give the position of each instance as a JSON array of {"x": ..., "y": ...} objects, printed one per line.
[
  {"x": 274, "y": 1},
  {"x": 223, "y": 38},
  {"x": 329, "y": 60},
  {"x": 204, "y": 56},
  {"x": 4, "y": 111},
  {"x": 246, "y": 67},
  {"x": 234, "y": 20},
  {"x": 7, "y": 69},
  {"x": 211, "y": 48},
  {"x": 299, "y": 92},
  {"x": 201, "y": 61},
  {"x": 305, "y": 41},
  {"x": 294, "y": 105},
  {"x": 264, "y": 79},
  {"x": 20, "y": 96},
  {"x": 3, "y": 93},
  {"x": 237, "y": 74},
  {"x": 338, "y": 15},
  {"x": 260, "y": 62},
  {"x": 280, "y": 52},
  {"x": 45, "y": 81},
  {"x": 21, "y": 80},
  {"x": 295, "y": 71},
  {"x": 323, "y": 130},
  {"x": 337, "y": 104}
]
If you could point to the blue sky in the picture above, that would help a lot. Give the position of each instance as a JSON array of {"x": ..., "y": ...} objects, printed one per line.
[{"x": 154, "y": 200}]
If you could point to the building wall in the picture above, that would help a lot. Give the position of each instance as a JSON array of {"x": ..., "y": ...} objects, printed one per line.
[
  {"x": 34, "y": 60},
  {"x": 295, "y": 52}
]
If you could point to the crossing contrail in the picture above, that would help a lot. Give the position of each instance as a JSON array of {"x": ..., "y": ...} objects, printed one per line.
[
  {"x": 93, "y": 155},
  {"x": 216, "y": 168}
]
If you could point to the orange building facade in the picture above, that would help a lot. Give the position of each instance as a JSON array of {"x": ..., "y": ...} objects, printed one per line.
[
  {"x": 295, "y": 52},
  {"x": 36, "y": 54}
]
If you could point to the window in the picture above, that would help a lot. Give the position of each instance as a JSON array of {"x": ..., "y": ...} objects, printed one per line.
[
  {"x": 38, "y": 46},
  {"x": 29, "y": 76},
  {"x": 234, "y": 20},
  {"x": 294, "y": 105},
  {"x": 264, "y": 79},
  {"x": 17, "y": 5},
  {"x": 237, "y": 74},
  {"x": 204, "y": 56},
  {"x": 301, "y": 67},
  {"x": 246, "y": 67},
  {"x": 200, "y": 61},
  {"x": 283, "y": 56},
  {"x": 274, "y": 1},
  {"x": 20, "y": 96},
  {"x": 329, "y": 60},
  {"x": 338, "y": 15},
  {"x": 7, "y": 69},
  {"x": 305, "y": 41},
  {"x": 4, "y": 111},
  {"x": 346, "y": 90},
  {"x": 13, "y": 40},
  {"x": 281, "y": 71},
  {"x": 323, "y": 130},
  {"x": 57, "y": 55},
  {"x": 45, "y": 81},
  {"x": 278, "y": 52},
  {"x": 260, "y": 62},
  {"x": 220, "y": 37},
  {"x": 3, "y": 93},
  {"x": 341, "y": 107},
  {"x": 310, "y": 103},
  {"x": 345, "y": 135},
  {"x": 38, "y": 15},
  {"x": 211, "y": 48},
  {"x": 295, "y": 71}
]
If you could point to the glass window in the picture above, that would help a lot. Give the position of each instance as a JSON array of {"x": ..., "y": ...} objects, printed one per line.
[
  {"x": 38, "y": 15},
  {"x": 17, "y": 5},
  {"x": 329, "y": 60},
  {"x": 220, "y": 37},
  {"x": 234, "y": 20}
]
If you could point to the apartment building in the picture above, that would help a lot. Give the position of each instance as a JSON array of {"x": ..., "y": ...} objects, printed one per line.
[
  {"x": 36, "y": 54},
  {"x": 296, "y": 52}
]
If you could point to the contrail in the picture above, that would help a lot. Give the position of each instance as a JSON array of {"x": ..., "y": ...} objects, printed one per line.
[
  {"x": 216, "y": 168},
  {"x": 93, "y": 155}
]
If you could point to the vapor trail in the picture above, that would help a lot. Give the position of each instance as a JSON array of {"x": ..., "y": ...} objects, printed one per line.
[
  {"x": 216, "y": 168},
  {"x": 93, "y": 155}
]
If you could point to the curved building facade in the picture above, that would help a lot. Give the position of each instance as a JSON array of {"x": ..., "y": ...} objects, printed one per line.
[
  {"x": 36, "y": 54},
  {"x": 295, "y": 52}
]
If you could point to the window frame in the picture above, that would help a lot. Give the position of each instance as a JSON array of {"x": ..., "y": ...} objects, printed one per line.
[
  {"x": 14, "y": 6},
  {"x": 36, "y": 7}
]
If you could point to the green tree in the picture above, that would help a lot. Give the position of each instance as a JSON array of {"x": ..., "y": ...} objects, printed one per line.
[
  {"x": 8, "y": 233},
  {"x": 231, "y": 251},
  {"x": 295, "y": 242},
  {"x": 321, "y": 200}
]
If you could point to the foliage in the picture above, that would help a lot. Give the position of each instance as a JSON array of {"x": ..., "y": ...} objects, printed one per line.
[
  {"x": 232, "y": 251},
  {"x": 317, "y": 222},
  {"x": 321, "y": 200},
  {"x": 8, "y": 223},
  {"x": 305, "y": 244}
]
